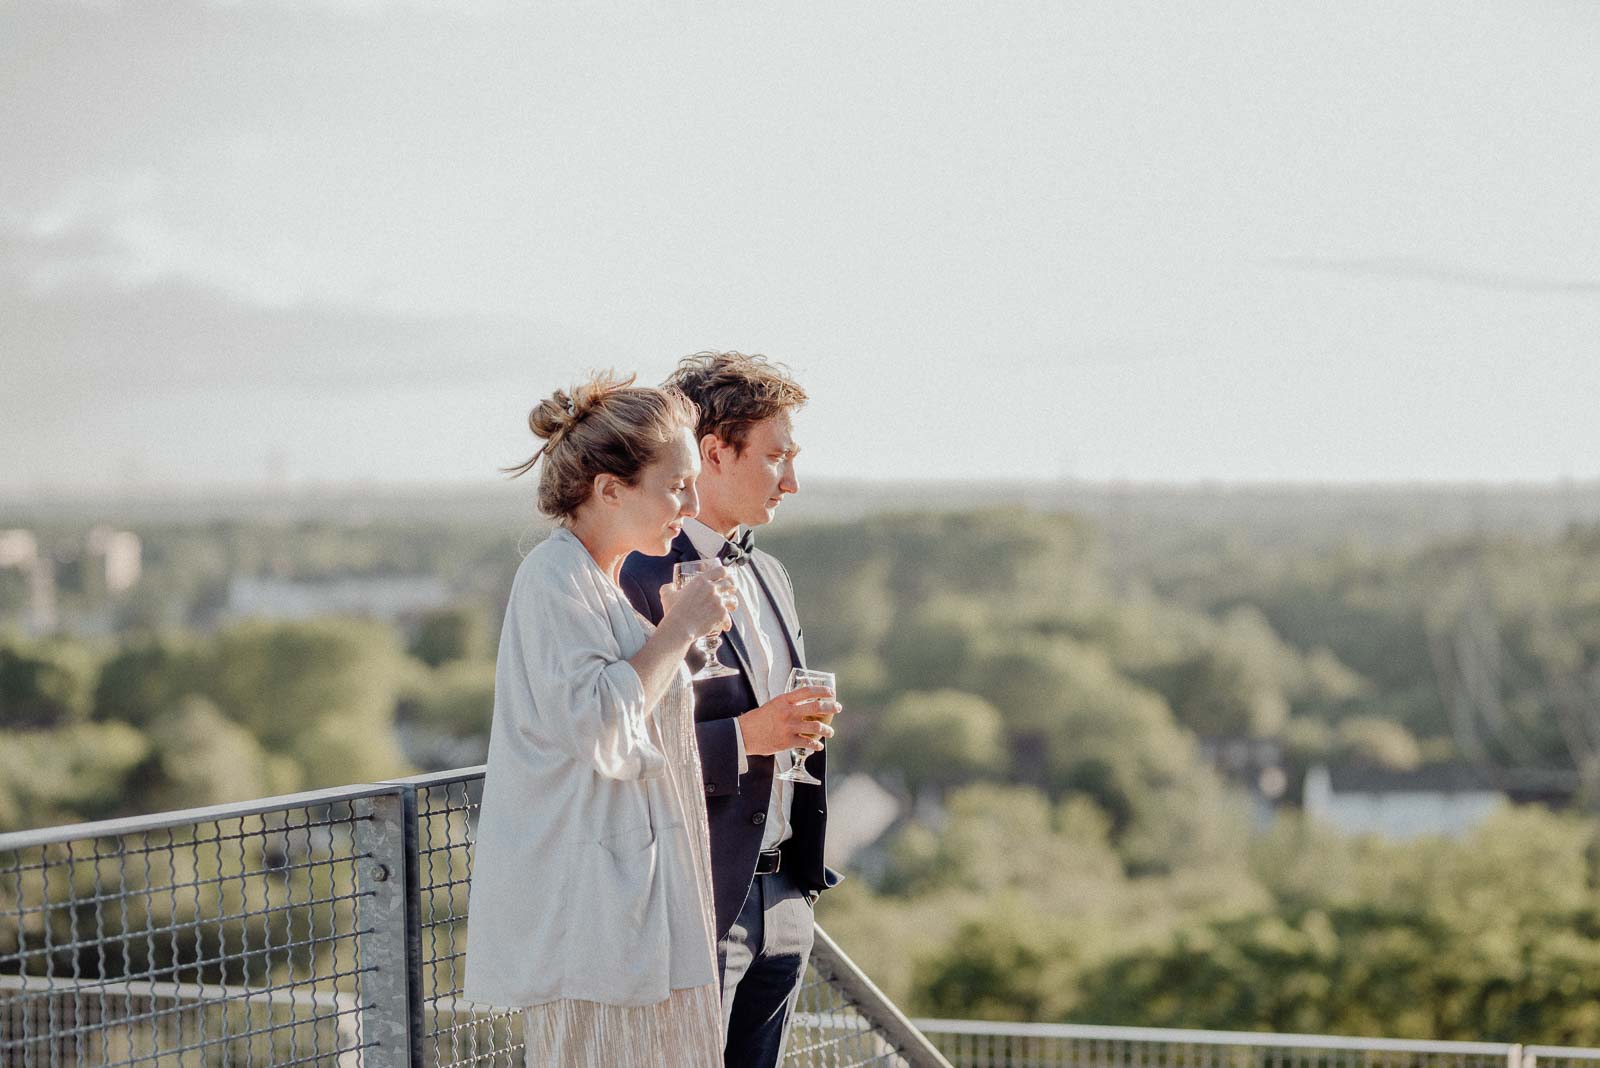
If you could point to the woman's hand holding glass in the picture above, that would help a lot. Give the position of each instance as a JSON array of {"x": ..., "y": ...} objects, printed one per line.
[{"x": 702, "y": 598}]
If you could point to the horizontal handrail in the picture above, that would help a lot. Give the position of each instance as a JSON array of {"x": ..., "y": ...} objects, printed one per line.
[
  {"x": 1531, "y": 1054},
  {"x": 1180, "y": 1036},
  {"x": 158, "y": 821},
  {"x": 440, "y": 778}
]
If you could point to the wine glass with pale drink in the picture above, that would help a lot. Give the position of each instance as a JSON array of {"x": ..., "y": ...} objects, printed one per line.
[
  {"x": 799, "y": 679},
  {"x": 708, "y": 644}
]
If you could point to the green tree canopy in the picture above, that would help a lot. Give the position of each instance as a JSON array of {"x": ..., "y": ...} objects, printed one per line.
[
  {"x": 935, "y": 647},
  {"x": 940, "y": 738},
  {"x": 44, "y": 684},
  {"x": 322, "y": 692},
  {"x": 456, "y": 700},
  {"x": 1239, "y": 684},
  {"x": 1380, "y": 742},
  {"x": 77, "y": 772},
  {"x": 145, "y": 679},
  {"x": 202, "y": 758},
  {"x": 446, "y": 634}
]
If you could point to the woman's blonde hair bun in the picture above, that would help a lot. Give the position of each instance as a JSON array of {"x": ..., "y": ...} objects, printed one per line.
[
  {"x": 604, "y": 425},
  {"x": 555, "y": 416}
]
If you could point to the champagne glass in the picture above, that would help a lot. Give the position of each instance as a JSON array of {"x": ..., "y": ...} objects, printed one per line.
[
  {"x": 799, "y": 678},
  {"x": 710, "y": 643}
]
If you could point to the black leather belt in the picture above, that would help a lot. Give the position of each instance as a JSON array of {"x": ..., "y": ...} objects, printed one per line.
[{"x": 768, "y": 861}]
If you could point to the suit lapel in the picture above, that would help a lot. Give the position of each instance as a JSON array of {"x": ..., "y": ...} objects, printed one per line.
[
  {"x": 683, "y": 548},
  {"x": 734, "y": 639},
  {"x": 788, "y": 631}
]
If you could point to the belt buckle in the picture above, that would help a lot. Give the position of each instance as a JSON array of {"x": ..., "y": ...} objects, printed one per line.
[{"x": 768, "y": 861}]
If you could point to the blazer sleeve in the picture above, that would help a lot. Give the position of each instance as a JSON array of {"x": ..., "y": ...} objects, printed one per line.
[
  {"x": 718, "y": 740},
  {"x": 643, "y": 603},
  {"x": 648, "y": 604},
  {"x": 588, "y": 698}
]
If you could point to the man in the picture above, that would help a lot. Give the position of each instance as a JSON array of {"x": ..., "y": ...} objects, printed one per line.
[{"x": 766, "y": 833}]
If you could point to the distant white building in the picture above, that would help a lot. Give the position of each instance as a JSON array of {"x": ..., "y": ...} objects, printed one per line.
[
  {"x": 1447, "y": 799},
  {"x": 117, "y": 557},
  {"x": 859, "y": 811},
  {"x": 19, "y": 549},
  {"x": 388, "y": 597}
]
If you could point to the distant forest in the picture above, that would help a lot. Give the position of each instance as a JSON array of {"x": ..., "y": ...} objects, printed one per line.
[{"x": 1038, "y": 677}]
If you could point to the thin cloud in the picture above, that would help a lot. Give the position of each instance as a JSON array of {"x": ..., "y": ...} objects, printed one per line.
[
  {"x": 27, "y": 252},
  {"x": 1443, "y": 274},
  {"x": 92, "y": 329}
]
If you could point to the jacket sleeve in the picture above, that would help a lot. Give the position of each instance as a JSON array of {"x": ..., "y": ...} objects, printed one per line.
[
  {"x": 718, "y": 740},
  {"x": 642, "y": 602},
  {"x": 588, "y": 700},
  {"x": 649, "y": 605}
]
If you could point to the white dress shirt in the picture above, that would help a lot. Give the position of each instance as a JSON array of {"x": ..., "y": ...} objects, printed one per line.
[{"x": 758, "y": 624}]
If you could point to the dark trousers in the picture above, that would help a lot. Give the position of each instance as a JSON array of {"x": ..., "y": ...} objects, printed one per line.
[{"x": 762, "y": 960}]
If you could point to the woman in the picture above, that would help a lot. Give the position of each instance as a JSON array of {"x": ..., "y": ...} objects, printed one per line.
[{"x": 591, "y": 905}]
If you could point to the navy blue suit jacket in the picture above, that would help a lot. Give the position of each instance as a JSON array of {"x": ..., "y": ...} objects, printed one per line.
[{"x": 736, "y": 805}]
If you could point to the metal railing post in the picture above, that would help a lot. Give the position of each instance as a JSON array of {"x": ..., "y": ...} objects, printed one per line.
[{"x": 388, "y": 939}]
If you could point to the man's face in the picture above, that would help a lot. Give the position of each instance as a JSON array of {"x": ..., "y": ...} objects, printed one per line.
[{"x": 762, "y": 475}]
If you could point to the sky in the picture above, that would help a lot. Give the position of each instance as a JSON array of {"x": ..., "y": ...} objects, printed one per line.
[{"x": 294, "y": 241}]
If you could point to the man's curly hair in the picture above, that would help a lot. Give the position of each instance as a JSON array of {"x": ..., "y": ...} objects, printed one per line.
[{"x": 734, "y": 392}]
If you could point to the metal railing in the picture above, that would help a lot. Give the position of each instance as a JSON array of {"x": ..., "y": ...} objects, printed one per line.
[
  {"x": 995, "y": 1044},
  {"x": 324, "y": 928},
  {"x": 329, "y": 928}
]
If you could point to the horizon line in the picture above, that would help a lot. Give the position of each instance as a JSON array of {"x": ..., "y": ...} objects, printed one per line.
[{"x": 321, "y": 487}]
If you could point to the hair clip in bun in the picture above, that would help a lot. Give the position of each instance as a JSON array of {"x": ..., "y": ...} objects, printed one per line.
[{"x": 572, "y": 409}]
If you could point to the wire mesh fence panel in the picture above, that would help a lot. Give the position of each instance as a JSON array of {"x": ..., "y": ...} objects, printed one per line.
[
  {"x": 330, "y": 929},
  {"x": 229, "y": 939},
  {"x": 832, "y": 1030},
  {"x": 454, "y": 1032},
  {"x": 169, "y": 1023},
  {"x": 828, "y": 1031},
  {"x": 843, "y": 1020}
]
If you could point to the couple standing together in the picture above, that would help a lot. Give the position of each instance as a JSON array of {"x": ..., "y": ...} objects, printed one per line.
[{"x": 643, "y": 877}]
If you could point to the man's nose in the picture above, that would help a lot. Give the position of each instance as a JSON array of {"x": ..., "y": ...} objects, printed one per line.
[{"x": 789, "y": 483}]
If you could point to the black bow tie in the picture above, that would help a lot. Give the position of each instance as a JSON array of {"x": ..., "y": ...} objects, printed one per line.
[{"x": 737, "y": 551}]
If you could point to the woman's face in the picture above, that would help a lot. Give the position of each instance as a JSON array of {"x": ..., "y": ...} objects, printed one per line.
[{"x": 652, "y": 512}]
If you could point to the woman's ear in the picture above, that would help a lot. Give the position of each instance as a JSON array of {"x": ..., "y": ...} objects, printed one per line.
[{"x": 608, "y": 488}]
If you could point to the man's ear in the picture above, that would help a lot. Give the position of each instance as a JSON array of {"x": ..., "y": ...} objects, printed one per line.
[{"x": 714, "y": 453}]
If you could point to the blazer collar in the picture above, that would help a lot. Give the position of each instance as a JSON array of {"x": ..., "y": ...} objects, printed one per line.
[
  {"x": 757, "y": 569},
  {"x": 683, "y": 547}
]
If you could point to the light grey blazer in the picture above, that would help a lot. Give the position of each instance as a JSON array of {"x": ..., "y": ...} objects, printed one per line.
[{"x": 583, "y": 880}]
